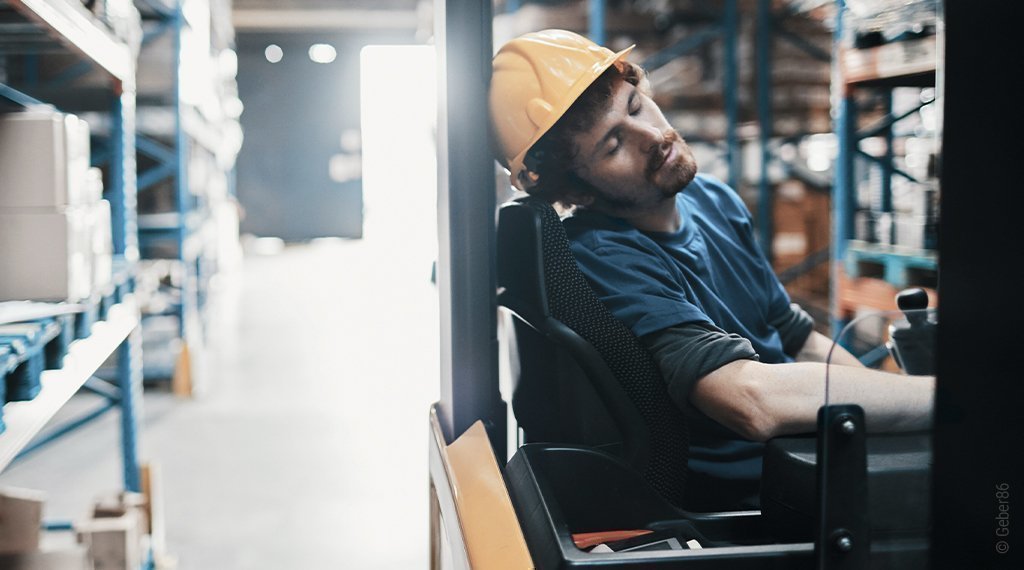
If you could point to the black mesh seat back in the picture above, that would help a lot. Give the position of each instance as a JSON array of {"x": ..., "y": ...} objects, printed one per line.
[
  {"x": 552, "y": 398},
  {"x": 571, "y": 301}
]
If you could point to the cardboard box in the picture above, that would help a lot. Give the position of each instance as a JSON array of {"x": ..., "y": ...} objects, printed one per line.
[
  {"x": 73, "y": 558},
  {"x": 914, "y": 232},
  {"x": 21, "y": 517},
  {"x": 802, "y": 226},
  {"x": 46, "y": 255},
  {"x": 114, "y": 543},
  {"x": 44, "y": 158}
]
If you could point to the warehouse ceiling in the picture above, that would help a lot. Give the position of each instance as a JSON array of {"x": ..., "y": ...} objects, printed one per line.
[
  {"x": 325, "y": 4},
  {"x": 298, "y": 15}
]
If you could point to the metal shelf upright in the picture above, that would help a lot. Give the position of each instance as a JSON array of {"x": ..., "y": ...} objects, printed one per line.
[
  {"x": 47, "y": 48},
  {"x": 168, "y": 152}
]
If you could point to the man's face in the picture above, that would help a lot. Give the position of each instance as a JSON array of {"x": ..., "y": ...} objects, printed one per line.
[{"x": 631, "y": 155}]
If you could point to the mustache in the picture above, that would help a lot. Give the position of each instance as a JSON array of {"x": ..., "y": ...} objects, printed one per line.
[{"x": 671, "y": 136}]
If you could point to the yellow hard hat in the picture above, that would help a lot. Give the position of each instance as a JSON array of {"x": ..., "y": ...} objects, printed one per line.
[{"x": 536, "y": 78}]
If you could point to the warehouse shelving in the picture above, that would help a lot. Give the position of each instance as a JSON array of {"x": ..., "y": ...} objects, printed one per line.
[
  {"x": 867, "y": 275},
  {"x": 25, "y": 420},
  {"x": 48, "y": 48},
  {"x": 189, "y": 142},
  {"x": 771, "y": 25}
]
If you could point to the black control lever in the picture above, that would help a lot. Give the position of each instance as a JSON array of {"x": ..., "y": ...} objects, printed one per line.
[{"x": 912, "y": 340}]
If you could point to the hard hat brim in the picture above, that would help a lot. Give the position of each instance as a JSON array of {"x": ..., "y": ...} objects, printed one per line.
[{"x": 570, "y": 98}]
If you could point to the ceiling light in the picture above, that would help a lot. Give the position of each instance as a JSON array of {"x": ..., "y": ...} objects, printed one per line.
[{"x": 322, "y": 53}]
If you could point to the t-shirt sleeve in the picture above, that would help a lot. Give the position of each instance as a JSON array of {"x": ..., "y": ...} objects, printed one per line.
[
  {"x": 792, "y": 323},
  {"x": 687, "y": 353},
  {"x": 638, "y": 288},
  {"x": 794, "y": 327}
]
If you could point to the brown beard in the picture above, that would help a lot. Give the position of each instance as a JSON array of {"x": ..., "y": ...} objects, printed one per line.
[{"x": 682, "y": 173}]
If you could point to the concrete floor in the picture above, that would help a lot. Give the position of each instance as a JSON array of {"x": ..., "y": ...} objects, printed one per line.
[{"x": 307, "y": 447}]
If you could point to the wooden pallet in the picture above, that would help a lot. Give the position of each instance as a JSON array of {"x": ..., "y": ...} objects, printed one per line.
[
  {"x": 854, "y": 293},
  {"x": 901, "y": 268}
]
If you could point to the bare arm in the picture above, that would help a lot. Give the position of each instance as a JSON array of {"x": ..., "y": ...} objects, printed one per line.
[
  {"x": 816, "y": 349},
  {"x": 761, "y": 401}
]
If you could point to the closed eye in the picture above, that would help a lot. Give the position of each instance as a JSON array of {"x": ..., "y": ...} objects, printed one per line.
[{"x": 636, "y": 105}]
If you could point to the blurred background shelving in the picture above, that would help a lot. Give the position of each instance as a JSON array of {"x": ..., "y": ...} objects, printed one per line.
[
  {"x": 188, "y": 139},
  {"x": 67, "y": 107},
  {"x": 888, "y": 126}
]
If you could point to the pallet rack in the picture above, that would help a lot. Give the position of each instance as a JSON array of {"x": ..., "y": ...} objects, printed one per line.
[
  {"x": 46, "y": 47},
  {"x": 908, "y": 63},
  {"x": 188, "y": 146}
]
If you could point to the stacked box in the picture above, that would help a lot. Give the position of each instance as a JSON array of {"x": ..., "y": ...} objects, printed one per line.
[
  {"x": 54, "y": 228},
  {"x": 21, "y": 514},
  {"x": 44, "y": 158},
  {"x": 114, "y": 534},
  {"x": 45, "y": 255}
]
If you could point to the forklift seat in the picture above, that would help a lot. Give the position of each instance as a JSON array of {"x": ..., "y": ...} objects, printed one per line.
[{"x": 583, "y": 377}]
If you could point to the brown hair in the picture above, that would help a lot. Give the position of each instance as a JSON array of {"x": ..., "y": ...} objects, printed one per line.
[{"x": 553, "y": 156}]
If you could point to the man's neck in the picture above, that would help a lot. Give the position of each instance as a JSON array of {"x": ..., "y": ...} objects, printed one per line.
[{"x": 661, "y": 217}]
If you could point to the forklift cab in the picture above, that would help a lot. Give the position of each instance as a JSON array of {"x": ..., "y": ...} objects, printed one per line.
[
  {"x": 562, "y": 489},
  {"x": 595, "y": 463}
]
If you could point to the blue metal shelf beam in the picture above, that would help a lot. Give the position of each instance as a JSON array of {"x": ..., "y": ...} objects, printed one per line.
[
  {"x": 167, "y": 158},
  {"x": 886, "y": 162},
  {"x": 129, "y": 380},
  {"x": 17, "y": 97},
  {"x": 181, "y": 145},
  {"x": 801, "y": 43},
  {"x": 887, "y": 122},
  {"x": 680, "y": 48},
  {"x": 596, "y": 11}
]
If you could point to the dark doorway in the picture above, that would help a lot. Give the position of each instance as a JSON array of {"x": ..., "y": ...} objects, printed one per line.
[{"x": 300, "y": 116}]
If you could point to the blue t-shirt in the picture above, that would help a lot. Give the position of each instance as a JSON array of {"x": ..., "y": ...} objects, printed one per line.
[{"x": 711, "y": 271}]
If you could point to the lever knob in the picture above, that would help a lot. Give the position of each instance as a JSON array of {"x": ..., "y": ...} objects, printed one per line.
[{"x": 912, "y": 299}]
